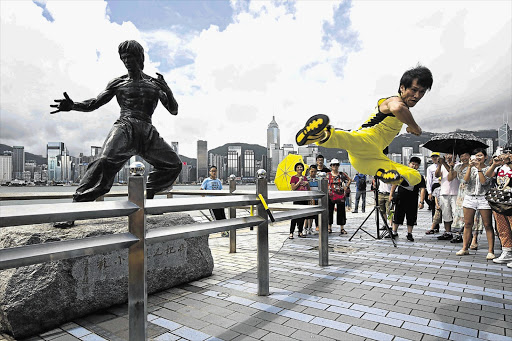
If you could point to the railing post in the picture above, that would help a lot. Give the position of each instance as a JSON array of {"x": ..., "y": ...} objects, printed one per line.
[
  {"x": 137, "y": 290},
  {"x": 262, "y": 240},
  {"x": 323, "y": 246},
  {"x": 232, "y": 214}
]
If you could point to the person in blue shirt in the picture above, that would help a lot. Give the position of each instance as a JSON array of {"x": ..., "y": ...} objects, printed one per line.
[
  {"x": 313, "y": 185},
  {"x": 212, "y": 183},
  {"x": 360, "y": 181}
]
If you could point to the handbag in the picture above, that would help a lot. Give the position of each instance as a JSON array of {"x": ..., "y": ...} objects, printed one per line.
[
  {"x": 334, "y": 194},
  {"x": 500, "y": 200}
]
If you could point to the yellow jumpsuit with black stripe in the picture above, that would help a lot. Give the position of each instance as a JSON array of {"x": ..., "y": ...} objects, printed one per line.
[{"x": 365, "y": 145}]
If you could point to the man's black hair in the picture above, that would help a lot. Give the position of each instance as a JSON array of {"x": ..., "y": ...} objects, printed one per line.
[
  {"x": 134, "y": 48},
  {"x": 479, "y": 150},
  {"x": 314, "y": 167},
  {"x": 415, "y": 159},
  {"x": 320, "y": 156},
  {"x": 213, "y": 167},
  {"x": 421, "y": 73}
]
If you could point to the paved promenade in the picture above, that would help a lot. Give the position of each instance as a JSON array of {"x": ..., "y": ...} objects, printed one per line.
[{"x": 370, "y": 291}]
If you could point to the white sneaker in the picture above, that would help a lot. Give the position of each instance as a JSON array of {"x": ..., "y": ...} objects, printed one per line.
[
  {"x": 509, "y": 265},
  {"x": 505, "y": 257}
]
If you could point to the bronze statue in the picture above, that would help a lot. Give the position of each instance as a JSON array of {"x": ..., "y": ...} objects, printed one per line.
[{"x": 133, "y": 133}]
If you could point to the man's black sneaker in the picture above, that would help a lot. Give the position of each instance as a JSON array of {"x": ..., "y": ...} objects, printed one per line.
[
  {"x": 392, "y": 235},
  {"x": 445, "y": 236},
  {"x": 409, "y": 237},
  {"x": 314, "y": 130}
]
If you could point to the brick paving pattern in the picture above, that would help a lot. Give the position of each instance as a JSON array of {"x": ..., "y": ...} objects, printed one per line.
[{"x": 370, "y": 291}]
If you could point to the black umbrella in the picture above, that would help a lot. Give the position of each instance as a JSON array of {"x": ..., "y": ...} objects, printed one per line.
[{"x": 455, "y": 143}]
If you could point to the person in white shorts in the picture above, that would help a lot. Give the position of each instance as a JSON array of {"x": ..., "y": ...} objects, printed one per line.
[{"x": 477, "y": 185}]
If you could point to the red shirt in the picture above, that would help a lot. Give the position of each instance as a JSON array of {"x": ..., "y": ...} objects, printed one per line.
[{"x": 304, "y": 186}]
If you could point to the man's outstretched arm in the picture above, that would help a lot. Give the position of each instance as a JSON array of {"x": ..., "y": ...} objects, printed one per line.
[
  {"x": 67, "y": 104},
  {"x": 400, "y": 110}
]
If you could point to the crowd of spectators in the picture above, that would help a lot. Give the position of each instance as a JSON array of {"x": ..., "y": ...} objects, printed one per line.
[{"x": 455, "y": 191}]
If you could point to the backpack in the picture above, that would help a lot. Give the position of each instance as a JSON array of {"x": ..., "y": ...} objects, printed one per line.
[{"x": 361, "y": 183}]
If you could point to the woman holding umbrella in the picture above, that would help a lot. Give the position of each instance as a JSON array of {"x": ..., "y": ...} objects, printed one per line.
[
  {"x": 339, "y": 182},
  {"x": 477, "y": 185},
  {"x": 299, "y": 183}
]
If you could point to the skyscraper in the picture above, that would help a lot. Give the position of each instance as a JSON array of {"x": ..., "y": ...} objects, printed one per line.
[
  {"x": 234, "y": 156},
  {"x": 273, "y": 135},
  {"x": 503, "y": 135},
  {"x": 54, "y": 149},
  {"x": 202, "y": 160},
  {"x": 5, "y": 168},
  {"x": 490, "y": 148},
  {"x": 95, "y": 152},
  {"x": 18, "y": 162},
  {"x": 220, "y": 162},
  {"x": 406, "y": 155},
  {"x": 175, "y": 147},
  {"x": 249, "y": 166}
]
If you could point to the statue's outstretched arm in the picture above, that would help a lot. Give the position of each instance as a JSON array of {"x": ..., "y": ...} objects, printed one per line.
[{"x": 67, "y": 104}]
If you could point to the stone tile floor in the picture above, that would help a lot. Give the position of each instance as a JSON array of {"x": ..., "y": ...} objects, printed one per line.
[{"x": 370, "y": 291}]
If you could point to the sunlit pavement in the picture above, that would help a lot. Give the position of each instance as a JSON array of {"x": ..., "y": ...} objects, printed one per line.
[{"x": 370, "y": 291}]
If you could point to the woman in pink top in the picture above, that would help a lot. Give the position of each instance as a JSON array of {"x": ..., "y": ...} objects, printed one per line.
[{"x": 299, "y": 183}]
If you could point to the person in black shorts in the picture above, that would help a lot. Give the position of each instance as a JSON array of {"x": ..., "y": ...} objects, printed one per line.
[{"x": 407, "y": 202}]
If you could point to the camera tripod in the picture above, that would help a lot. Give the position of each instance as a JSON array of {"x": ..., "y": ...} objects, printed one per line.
[{"x": 386, "y": 230}]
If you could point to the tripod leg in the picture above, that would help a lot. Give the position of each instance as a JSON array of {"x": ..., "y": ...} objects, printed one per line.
[{"x": 361, "y": 226}]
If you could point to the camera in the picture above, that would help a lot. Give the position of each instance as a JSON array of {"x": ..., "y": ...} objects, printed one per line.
[{"x": 473, "y": 157}]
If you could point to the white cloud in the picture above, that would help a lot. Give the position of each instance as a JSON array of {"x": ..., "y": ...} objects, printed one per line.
[{"x": 272, "y": 60}]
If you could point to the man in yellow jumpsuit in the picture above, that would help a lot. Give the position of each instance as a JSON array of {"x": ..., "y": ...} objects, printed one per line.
[{"x": 365, "y": 145}]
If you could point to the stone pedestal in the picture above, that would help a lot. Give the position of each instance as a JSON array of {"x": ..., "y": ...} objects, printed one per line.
[{"x": 40, "y": 297}]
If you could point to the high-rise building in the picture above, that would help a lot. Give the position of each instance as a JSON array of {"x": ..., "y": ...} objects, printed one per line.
[
  {"x": 186, "y": 172},
  {"x": 273, "y": 135},
  {"x": 396, "y": 157},
  {"x": 288, "y": 149},
  {"x": 249, "y": 165},
  {"x": 219, "y": 161},
  {"x": 406, "y": 155},
  {"x": 202, "y": 160},
  {"x": 95, "y": 152},
  {"x": 503, "y": 135},
  {"x": 276, "y": 157},
  {"x": 490, "y": 148},
  {"x": 53, "y": 149},
  {"x": 5, "y": 168},
  {"x": 234, "y": 162},
  {"x": 30, "y": 166},
  {"x": 18, "y": 162},
  {"x": 175, "y": 147}
]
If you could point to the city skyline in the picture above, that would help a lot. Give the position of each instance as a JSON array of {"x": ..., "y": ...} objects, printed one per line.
[
  {"x": 240, "y": 161},
  {"x": 233, "y": 65}
]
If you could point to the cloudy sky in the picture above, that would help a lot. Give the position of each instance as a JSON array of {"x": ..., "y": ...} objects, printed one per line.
[{"x": 234, "y": 64}]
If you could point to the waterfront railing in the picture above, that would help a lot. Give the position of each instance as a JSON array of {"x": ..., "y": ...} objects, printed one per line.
[{"x": 137, "y": 239}]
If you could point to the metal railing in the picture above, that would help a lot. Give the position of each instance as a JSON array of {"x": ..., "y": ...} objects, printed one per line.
[{"x": 136, "y": 239}]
